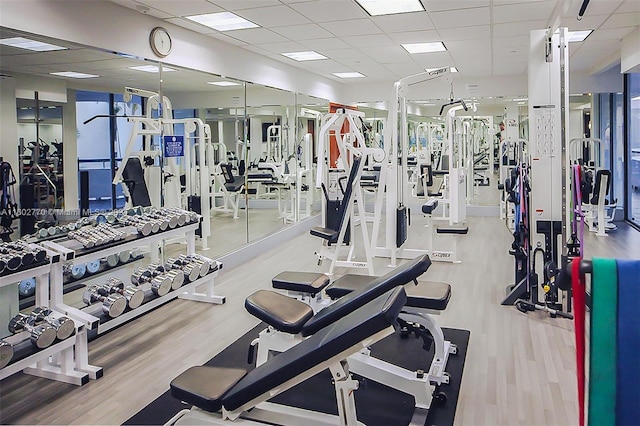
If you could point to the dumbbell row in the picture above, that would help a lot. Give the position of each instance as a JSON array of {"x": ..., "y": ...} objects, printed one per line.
[
  {"x": 77, "y": 271},
  {"x": 43, "y": 328},
  {"x": 114, "y": 296},
  {"x": 97, "y": 236},
  {"x": 18, "y": 253},
  {"x": 172, "y": 275}
]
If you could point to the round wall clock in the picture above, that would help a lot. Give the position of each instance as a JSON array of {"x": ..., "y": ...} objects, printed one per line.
[{"x": 160, "y": 41}]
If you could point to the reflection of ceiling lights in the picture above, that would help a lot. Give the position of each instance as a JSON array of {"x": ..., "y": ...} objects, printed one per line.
[
  {"x": 348, "y": 74},
  {"x": 386, "y": 7},
  {"x": 520, "y": 99},
  {"x": 451, "y": 69},
  {"x": 25, "y": 43},
  {"x": 152, "y": 68},
  {"x": 522, "y": 103},
  {"x": 575, "y": 36},
  {"x": 436, "y": 46},
  {"x": 72, "y": 74},
  {"x": 223, "y": 21},
  {"x": 304, "y": 56},
  {"x": 223, "y": 83},
  {"x": 636, "y": 99}
]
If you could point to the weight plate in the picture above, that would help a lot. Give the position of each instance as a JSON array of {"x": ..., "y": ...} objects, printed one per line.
[
  {"x": 43, "y": 336},
  {"x": 66, "y": 327},
  {"x": 78, "y": 271},
  {"x": 124, "y": 256},
  {"x": 93, "y": 266},
  {"x": 27, "y": 287},
  {"x": 113, "y": 260},
  {"x": 6, "y": 353}
]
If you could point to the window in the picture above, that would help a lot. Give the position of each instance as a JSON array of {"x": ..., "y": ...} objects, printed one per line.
[{"x": 633, "y": 146}]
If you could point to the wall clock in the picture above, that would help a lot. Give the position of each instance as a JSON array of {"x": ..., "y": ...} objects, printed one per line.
[{"x": 160, "y": 41}]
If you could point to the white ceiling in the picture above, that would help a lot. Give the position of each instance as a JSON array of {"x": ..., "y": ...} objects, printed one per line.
[{"x": 483, "y": 37}]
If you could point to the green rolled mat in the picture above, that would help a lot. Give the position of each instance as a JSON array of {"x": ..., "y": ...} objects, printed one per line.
[{"x": 602, "y": 358}]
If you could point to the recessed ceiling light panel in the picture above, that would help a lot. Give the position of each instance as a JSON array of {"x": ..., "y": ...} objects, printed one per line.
[
  {"x": 223, "y": 21},
  {"x": 304, "y": 56},
  {"x": 25, "y": 43},
  {"x": 152, "y": 68},
  {"x": 349, "y": 74},
  {"x": 390, "y": 7},
  {"x": 576, "y": 36},
  {"x": 73, "y": 74},
  {"x": 451, "y": 69},
  {"x": 436, "y": 46},
  {"x": 223, "y": 83}
]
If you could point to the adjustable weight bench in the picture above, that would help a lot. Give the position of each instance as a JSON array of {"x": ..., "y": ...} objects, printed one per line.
[
  {"x": 220, "y": 394},
  {"x": 287, "y": 316}
]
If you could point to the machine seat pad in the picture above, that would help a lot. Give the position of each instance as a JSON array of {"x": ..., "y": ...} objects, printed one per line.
[
  {"x": 399, "y": 276},
  {"x": 304, "y": 282},
  {"x": 452, "y": 230},
  {"x": 325, "y": 233},
  {"x": 204, "y": 386},
  {"x": 427, "y": 294},
  {"x": 236, "y": 185},
  {"x": 279, "y": 311},
  {"x": 344, "y": 337},
  {"x": 430, "y": 205}
]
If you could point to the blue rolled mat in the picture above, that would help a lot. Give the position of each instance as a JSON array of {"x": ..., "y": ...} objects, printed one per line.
[{"x": 628, "y": 362}]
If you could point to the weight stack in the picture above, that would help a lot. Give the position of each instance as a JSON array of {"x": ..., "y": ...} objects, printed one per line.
[{"x": 401, "y": 225}]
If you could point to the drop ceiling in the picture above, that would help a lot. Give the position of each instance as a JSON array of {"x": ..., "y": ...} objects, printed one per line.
[{"x": 483, "y": 37}]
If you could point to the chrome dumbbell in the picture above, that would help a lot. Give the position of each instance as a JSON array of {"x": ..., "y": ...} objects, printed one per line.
[
  {"x": 6, "y": 353},
  {"x": 77, "y": 271},
  {"x": 112, "y": 305},
  {"x": 124, "y": 256},
  {"x": 134, "y": 296},
  {"x": 177, "y": 278},
  {"x": 42, "y": 335},
  {"x": 141, "y": 275},
  {"x": 64, "y": 326},
  {"x": 143, "y": 228},
  {"x": 10, "y": 262},
  {"x": 93, "y": 267},
  {"x": 161, "y": 284},
  {"x": 193, "y": 269},
  {"x": 208, "y": 265},
  {"x": 180, "y": 215},
  {"x": 112, "y": 260},
  {"x": 84, "y": 239}
]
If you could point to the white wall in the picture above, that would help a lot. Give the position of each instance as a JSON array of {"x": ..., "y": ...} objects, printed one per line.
[
  {"x": 8, "y": 122},
  {"x": 630, "y": 53}
]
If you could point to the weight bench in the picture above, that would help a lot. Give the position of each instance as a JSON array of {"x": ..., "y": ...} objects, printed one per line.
[
  {"x": 286, "y": 316},
  {"x": 231, "y": 187},
  {"x": 221, "y": 394}
]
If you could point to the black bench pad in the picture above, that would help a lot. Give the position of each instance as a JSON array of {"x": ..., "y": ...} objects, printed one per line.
[
  {"x": 328, "y": 234},
  {"x": 305, "y": 282},
  {"x": 427, "y": 294},
  {"x": 403, "y": 274},
  {"x": 279, "y": 311},
  {"x": 204, "y": 386},
  {"x": 236, "y": 185},
  {"x": 452, "y": 230},
  {"x": 343, "y": 336},
  {"x": 430, "y": 206}
]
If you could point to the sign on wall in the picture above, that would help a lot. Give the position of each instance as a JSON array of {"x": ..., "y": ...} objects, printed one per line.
[{"x": 173, "y": 146}]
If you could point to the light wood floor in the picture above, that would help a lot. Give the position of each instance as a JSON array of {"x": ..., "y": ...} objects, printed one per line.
[{"x": 520, "y": 369}]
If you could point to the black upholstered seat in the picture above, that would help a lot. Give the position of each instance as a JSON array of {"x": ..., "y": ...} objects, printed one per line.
[
  {"x": 430, "y": 206},
  {"x": 282, "y": 312},
  {"x": 331, "y": 235},
  {"x": 304, "y": 282},
  {"x": 427, "y": 294},
  {"x": 461, "y": 230},
  {"x": 204, "y": 386}
]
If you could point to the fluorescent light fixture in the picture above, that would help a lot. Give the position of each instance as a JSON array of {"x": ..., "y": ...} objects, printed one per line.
[
  {"x": 223, "y": 83},
  {"x": 25, "y": 43},
  {"x": 73, "y": 74},
  {"x": 451, "y": 69},
  {"x": 636, "y": 99},
  {"x": 348, "y": 74},
  {"x": 388, "y": 7},
  {"x": 520, "y": 99},
  {"x": 152, "y": 68},
  {"x": 578, "y": 35},
  {"x": 522, "y": 103},
  {"x": 304, "y": 56},
  {"x": 223, "y": 21},
  {"x": 436, "y": 46}
]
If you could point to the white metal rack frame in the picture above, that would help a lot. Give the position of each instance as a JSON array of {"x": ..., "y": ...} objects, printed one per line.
[
  {"x": 188, "y": 291},
  {"x": 57, "y": 362}
]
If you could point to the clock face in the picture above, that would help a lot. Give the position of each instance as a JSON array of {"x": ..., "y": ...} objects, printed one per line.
[{"x": 160, "y": 42}]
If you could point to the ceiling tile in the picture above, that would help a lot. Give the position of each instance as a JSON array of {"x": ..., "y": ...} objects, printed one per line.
[
  {"x": 504, "y": 43},
  {"x": 324, "y": 11},
  {"x": 182, "y": 7},
  {"x": 465, "y": 33},
  {"x": 233, "y": 5},
  {"x": 387, "y": 54},
  {"x": 227, "y": 39},
  {"x": 404, "y": 69},
  {"x": 323, "y": 65},
  {"x": 501, "y": 2},
  {"x": 461, "y": 18},
  {"x": 606, "y": 7},
  {"x": 441, "y": 5},
  {"x": 629, "y": 6},
  {"x": 340, "y": 53},
  {"x": 586, "y": 23},
  {"x": 600, "y": 45},
  {"x": 274, "y": 16},
  {"x": 469, "y": 46},
  {"x": 303, "y": 32},
  {"x": 370, "y": 40},
  {"x": 509, "y": 68},
  {"x": 149, "y": 10},
  {"x": 256, "y": 35},
  {"x": 352, "y": 27},
  {"x": 325, "y": 43},
  {"x": 523, "y": 12},
  {"x": 358, "y": 61},
  {"x": 611, "y": 34},
  {"x": 415, "y": 37},
  {"x": 416, "y": 21},
  {"x": 432, "y": 60},
  {"x": 517, "y": 28},
  {"x": 288, "y": 46},
  {"x": 618, "y": 20}
]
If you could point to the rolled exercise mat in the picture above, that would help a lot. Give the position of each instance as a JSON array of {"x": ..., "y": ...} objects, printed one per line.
[
  {"x": 602, "y": 359},
  {"x": 578, "y": 289},
  {"x": 628, "y": 362}
]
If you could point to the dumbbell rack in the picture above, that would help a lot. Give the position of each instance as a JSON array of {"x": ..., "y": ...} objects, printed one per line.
[
  {"x": 73, "y": 250},
  {"x": 57, "y": 361}
]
